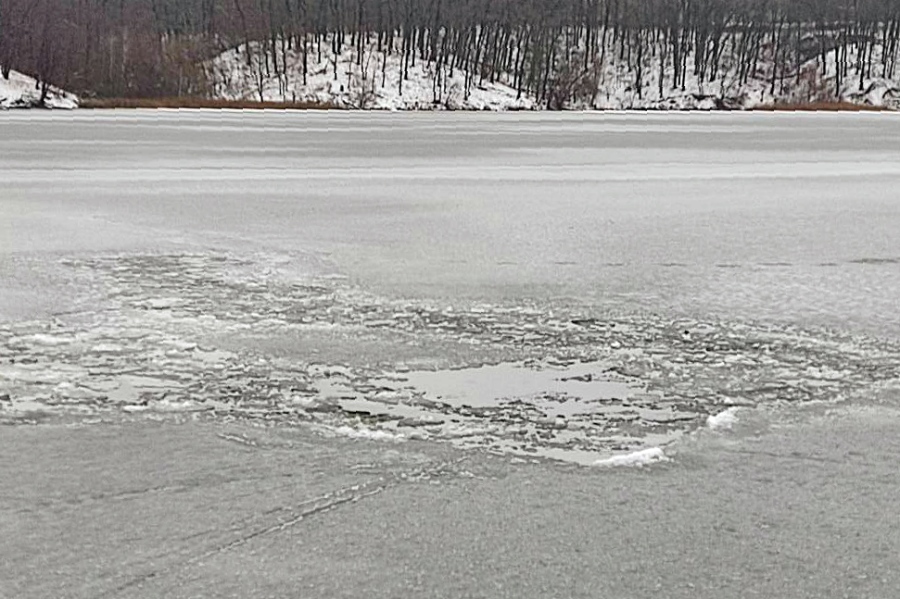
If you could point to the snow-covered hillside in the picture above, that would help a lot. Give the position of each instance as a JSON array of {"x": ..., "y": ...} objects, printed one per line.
[
  {"x": 618, "y": 86},
  {"x": 373, "y": 81},
  {"x": 22, "y": 91},
  {"x": 346, "y": 81}
]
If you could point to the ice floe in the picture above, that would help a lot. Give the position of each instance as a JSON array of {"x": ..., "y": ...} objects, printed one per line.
[
  {"x": 723, "y": 420},
  {"x": 365, "y": 433},
  {"x": 636, "y": 459}
]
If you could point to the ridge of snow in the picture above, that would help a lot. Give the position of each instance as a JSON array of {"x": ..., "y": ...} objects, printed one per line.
[{"x": 22, "y": 91}]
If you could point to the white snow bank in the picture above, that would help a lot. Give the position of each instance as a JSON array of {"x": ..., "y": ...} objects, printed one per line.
[
  {"x": 21, "y": 91},
  {"x": 637, "y": 459},
  {"x": 723, "y": 420}
]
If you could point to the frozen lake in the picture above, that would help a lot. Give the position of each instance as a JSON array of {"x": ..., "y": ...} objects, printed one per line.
[
  {"x": 793, "y": 217},
  {"x": 321, "y": 264}
]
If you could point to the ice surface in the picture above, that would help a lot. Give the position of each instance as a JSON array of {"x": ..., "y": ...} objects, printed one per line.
[
  {"x": 573, "y": 388},
  {"x": 571, "y": 313}
]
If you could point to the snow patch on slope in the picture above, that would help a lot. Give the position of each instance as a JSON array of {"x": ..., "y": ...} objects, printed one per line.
[
  {"x": 22, "y": 91},
  {"x": 620, "y": 89}
]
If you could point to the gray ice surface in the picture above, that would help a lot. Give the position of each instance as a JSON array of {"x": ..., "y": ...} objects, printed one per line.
[
  {"x": 791, "y": 217},
  {"x": 391, "y": 320},
  {"x": 802, "y": 509}
]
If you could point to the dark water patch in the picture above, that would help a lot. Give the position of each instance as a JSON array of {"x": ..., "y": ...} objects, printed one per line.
[
  {"x": 592, "y": 322},
  {"x": 876, "y": 261}
]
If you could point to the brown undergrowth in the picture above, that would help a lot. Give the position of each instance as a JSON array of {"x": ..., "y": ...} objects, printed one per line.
[{"x": 822, "y": 107}]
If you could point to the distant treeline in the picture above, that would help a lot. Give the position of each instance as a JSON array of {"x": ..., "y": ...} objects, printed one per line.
[{"x": 548, "y": 48}]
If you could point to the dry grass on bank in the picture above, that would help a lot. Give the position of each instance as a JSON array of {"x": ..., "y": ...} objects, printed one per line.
[
  {"x": 822, "y": 107},
  {"x": 193, "y": 103}
]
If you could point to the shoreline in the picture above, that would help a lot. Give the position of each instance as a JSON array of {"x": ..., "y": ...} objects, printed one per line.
[{"x": 207, "y": 104}]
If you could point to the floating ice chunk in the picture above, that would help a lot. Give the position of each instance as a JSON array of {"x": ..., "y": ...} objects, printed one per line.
[
  {"x": 180, "y": 405},
  {"x": 41, "y": 339},
  {"x": 723, "y": 420},
  {"x": 637, "y": 459},
  {"x": 107, "y": 348},
  {"x": 304, "y": 401},
  {"x": 367, "y": 433},
  {"x": 180, "y": 344}
]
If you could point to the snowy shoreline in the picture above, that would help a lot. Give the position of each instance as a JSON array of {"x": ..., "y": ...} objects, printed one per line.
[
  {"x": 23, "y": 92},
  {"x": 367, "y": 76},
  {"x": 213, "y": 104}
]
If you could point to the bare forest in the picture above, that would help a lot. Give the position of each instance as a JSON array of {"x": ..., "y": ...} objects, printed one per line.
[{"x": 550, "y": 49}]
